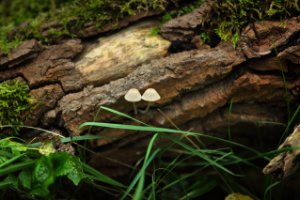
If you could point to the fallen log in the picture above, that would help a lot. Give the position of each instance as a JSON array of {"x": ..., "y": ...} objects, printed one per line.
[{"x": 72, "y": 79}]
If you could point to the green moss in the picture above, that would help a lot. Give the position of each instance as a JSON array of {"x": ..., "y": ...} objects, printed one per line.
[
  {"x": 181, "y": 10},
  {"x": 15, "y": 101},
  {"x": 155, "y": 31},
  {"x": 14, "y": 13},
  {"x": 232, "y": 15},
  {"x": 229, "y": 18},
  {"x": 37, "y": 14}
]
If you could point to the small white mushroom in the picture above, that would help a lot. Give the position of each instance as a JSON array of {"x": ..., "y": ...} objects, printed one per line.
[
  {"x": 133, "y": 96},
  {"x": 150, "y": 95}
]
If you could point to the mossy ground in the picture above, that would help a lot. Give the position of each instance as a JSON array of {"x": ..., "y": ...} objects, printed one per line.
[
  {"x": 232, "y": 15},
  {"x": 30, "y": 15}
]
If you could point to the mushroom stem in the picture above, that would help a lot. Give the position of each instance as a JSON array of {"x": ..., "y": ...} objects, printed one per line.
[
  {"x": 147, "y": 108},
  {"x": 135, "y": 109}
]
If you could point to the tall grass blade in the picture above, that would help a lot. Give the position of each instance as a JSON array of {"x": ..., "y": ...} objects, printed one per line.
[
  {"x": 139, "y": 174},
  {"x": 139, "y": 190},
  {"x": 122, "y": 115},
  {"x": 10, "y": 161},
  {"x": 200, "y": 188},
  {"x": 290, "y": 122},
  {"x": 17, "y": 167},
  {"x": 268, "y": 189},
  {"x": 98, "y": 176}
]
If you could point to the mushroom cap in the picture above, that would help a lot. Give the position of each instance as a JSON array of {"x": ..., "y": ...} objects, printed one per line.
[
  {"x": 151, "y": 95},
  {"x": 133, "y": 95}
]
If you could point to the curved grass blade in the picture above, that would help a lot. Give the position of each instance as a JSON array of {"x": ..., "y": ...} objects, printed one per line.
[
  {"x": 166, "y": 130},
  {"x": 139, "y": 190},
  {"x": 98, "y": 176}
]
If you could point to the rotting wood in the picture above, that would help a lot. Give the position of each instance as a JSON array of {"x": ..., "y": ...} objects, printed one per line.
[{"x": 287, "y": 162}]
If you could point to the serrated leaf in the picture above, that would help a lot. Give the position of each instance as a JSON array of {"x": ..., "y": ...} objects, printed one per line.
[
  {"x": 67, "y": 165},
  {"x": 60, "y": 163},
  {"x": 76, "y": 174}
]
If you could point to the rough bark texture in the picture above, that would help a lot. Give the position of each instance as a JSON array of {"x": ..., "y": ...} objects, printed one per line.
[
  {"x": 72, "y": 79},
  {"x": 287, "y": 162},
  {"x": 183, "y": 28}
]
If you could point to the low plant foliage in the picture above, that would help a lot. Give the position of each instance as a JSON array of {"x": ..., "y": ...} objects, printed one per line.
[{"x": 32, "y": 169}]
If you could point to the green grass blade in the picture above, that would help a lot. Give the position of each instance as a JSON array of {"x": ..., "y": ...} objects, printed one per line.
[
  {"x": 82, "y": 137},
  {"x": 200, "y": 188},
  {"x": 139, "y": 190},
  {"x": 165, "y": 130},
  {"x": 228, "y": 121},
  {"x": 204, "y": 156},
  {"x": 8, "y": 182},
  {"x": 268, "y": 189},
  {"x": 98, "y": 176},
  {"x": 178, "y": 180},
  {"x": 122, "y": 115},
  {"x": 132, "y": 127},
  {"x": 290, "y": 122},
  {"x": 10, "y": 161},
  {"x": 139, "y": 174},
  {"x": 17, "y": 167}
]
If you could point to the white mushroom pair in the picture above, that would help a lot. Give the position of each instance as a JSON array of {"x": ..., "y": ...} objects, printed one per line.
[{"x": 134, "y": 96}]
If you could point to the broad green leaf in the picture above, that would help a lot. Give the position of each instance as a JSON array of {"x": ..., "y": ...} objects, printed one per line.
[
  {"x": 43, "y": 170},
  {"x": 59, "y": 161},
  {"x": 66, "y": 165},
  {"x": 25, "y": 178},
  {"x": 43, "y": 177},
  {"x": 76, "y": 173}
]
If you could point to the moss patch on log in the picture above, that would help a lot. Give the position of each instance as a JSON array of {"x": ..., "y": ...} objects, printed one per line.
[
  {"x": 24, "y": 19},
  {"x": 232, "y": 15},
  {"x": 15, "y": 101}
]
